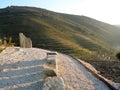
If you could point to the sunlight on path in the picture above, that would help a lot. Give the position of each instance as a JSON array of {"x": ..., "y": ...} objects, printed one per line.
[
  {"x": 76, "y": 77},
  {"x": 21, "y": 69}
]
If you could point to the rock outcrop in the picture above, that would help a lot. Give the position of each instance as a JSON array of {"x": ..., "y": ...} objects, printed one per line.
[
  {"x": 53, "y": 83},
  {"x": 25, "y": 42}
]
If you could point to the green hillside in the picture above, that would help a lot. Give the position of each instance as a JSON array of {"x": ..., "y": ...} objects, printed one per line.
[{"x": 81, "y": 36}]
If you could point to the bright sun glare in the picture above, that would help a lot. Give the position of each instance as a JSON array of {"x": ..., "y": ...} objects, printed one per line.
[{"x": 103, "y": 10}]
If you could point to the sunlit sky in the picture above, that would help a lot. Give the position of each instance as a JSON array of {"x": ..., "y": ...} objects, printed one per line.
[{"x": 104, "y": 10}]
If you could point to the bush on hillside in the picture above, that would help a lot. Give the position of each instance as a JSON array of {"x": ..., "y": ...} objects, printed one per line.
[
  {"x": 8, "y": 41},
  {"x": 118, "y": 55}
]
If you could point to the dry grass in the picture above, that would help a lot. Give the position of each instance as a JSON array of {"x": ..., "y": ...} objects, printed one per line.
[
  {"x": 53, "y": 66},
  {"x": 109, "y": 69},
  {"x": 49, "y": 73}
]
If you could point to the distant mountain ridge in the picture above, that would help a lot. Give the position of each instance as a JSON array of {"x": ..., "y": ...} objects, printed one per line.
[{"x": 81, "y": 36}]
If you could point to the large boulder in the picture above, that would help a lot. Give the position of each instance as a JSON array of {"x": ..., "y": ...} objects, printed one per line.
[
  {"x": 53, "y": 83},
  {"x": 25, "y": 42}
]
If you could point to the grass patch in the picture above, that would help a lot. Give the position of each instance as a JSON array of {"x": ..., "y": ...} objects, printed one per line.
[
  {"x": 51, "y": 65},
  {"x": 49, "y": 73},
  {"x": 1, "y": 49}
]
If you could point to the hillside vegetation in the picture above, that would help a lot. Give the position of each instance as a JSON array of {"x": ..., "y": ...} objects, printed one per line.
[
  {"x": 84, "y": 37},
  {"x": 81, "y": 36}
]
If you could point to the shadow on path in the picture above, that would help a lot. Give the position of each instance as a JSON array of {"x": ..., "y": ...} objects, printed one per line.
[{"x": 23, "y": 75}]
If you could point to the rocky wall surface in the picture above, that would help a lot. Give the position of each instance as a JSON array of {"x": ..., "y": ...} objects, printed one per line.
[
  {"x": 52, "y": 82},
  {"x": 25, "y": 42}
]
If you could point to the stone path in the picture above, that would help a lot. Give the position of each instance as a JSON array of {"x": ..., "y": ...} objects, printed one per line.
[
  {"x": 21, "y": 69},
  {"x": 75, "y": 76}
]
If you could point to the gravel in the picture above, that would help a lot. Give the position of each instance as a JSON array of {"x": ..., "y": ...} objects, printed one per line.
[{"x": 75, "y": 76}]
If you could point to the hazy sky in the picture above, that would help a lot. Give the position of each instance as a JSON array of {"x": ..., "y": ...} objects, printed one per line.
[{"x": 103, "y": 10}]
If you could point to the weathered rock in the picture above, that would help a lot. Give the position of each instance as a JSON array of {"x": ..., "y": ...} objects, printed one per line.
[
  {"x": 51, "y": 61},
  {"x": 51, "y": 58},
  {"x": 24, "y": 41},
  {"x": 53, "y": 83},
  {"x": 5, "y": 42}
]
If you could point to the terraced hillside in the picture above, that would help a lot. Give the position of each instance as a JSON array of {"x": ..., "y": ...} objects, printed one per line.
[
  {"x": 84, "y": 37},
  {"x": 81, "y": 36}
]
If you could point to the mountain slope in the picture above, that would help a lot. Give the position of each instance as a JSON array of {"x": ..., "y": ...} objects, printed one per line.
[{"x": 81, "y": 36}]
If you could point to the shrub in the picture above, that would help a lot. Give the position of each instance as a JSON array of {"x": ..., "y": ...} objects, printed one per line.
[
  {"x": 118, "y": 55},
  {"x": 49, "y": 73}
]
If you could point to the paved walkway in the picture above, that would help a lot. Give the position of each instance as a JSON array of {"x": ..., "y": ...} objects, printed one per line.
[
  {"x": 76, "y": 77},
  {"x": 21, "y": 69}
]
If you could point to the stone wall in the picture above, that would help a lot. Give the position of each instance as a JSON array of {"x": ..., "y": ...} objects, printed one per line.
[
  {"x": 52, "y": 82},
  {"x": 25, "y": 42}
]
